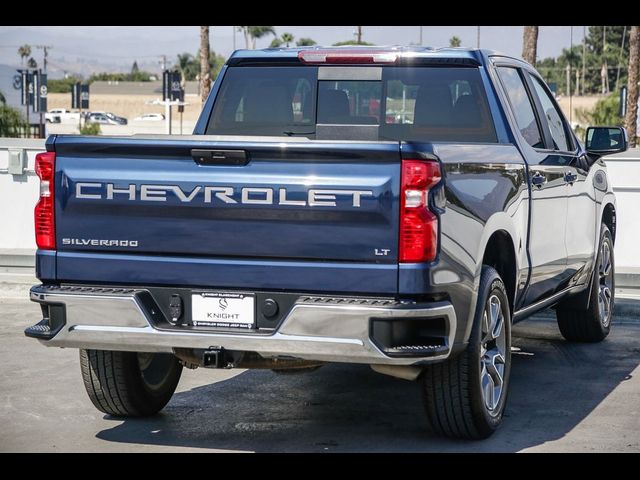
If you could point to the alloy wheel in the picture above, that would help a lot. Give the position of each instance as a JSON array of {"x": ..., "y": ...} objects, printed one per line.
[
  {"x": 493, "y": 345},
  {"x": 605, "y": 284}
]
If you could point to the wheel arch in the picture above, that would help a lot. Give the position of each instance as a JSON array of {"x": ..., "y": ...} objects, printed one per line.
[
  {"x": 609, "y": 218},
  {"x": 499, "y": 253}
]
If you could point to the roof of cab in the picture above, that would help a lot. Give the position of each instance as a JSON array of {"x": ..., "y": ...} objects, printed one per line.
[{"x": 454, "y": 55}]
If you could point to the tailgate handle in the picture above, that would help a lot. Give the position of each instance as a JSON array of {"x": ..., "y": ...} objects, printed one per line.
[{"x": 219, "y": 157}]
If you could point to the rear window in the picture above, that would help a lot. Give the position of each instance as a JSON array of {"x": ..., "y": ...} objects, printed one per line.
[{"x": 406, "y": 103}]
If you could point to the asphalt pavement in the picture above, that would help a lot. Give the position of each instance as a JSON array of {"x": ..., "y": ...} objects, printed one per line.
[{"x": 564, "y": 397}]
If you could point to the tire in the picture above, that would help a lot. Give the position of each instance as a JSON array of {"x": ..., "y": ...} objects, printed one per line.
[
  {"x": 592, "y": 323},
  {"x": 129, "y": 384},
  {"x": 453, "y": 394}
]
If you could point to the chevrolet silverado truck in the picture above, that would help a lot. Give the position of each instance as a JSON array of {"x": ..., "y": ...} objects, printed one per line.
[{"x": 394, "y": 207}]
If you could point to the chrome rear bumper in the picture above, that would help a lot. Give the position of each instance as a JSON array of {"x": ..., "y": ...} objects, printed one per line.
[{"x": 117, "y": 319}]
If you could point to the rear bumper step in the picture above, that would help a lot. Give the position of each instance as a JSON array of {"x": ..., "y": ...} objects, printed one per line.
[
  {"x": 41, "y": 330},
  {"x": 316, "y": 328}
]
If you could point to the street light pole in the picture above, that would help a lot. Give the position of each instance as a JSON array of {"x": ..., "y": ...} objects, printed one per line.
[
  {"x": 167, "y": 115},
  {"x": 584, "y": 55}
]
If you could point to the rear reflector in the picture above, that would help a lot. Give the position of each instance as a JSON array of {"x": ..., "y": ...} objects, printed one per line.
[
  {"x": 418, "y": 225},
  {"x": 44, "y": 214},
  {"x": 348, "y": 56}
]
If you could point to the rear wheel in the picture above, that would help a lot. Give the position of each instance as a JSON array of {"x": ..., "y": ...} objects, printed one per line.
[
  {"x": 465, "y": 396},
  {"x": 592, "y": 323},
  {"x": 129, "y": 384}
]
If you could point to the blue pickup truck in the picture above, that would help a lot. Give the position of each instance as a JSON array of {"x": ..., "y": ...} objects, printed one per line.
[{"x": 394, "y": 207}]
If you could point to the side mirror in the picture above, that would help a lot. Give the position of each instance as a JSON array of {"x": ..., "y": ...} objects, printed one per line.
[{"x": 600, "y": 141}]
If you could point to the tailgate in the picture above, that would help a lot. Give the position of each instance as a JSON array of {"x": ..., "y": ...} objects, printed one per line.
[{"x": 293, "y": 203}]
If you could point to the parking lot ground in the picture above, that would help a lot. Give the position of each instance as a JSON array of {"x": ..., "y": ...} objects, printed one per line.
[{"x": 564, "y": 397}]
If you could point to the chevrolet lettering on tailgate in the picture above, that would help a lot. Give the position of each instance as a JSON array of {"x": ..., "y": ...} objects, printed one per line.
[{"x": 246, "y": 195}]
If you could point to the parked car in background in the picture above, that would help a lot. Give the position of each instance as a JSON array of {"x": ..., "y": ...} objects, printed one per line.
[
  {"x": 104, "y": 118},
  {"x": 150, "y": 117},
  {"x": 111, "y": 116},
  {"x": 57, "y": 115}
]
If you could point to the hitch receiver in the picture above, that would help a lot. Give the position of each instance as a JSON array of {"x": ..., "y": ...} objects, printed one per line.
[{"x": 216, "y": 357}]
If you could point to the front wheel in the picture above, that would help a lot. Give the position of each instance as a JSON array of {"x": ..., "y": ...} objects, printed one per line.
[
  {"x": 129, "y": 384},
  {"x": 592, "y": 322},
  {"x": 465, "y": 396}
]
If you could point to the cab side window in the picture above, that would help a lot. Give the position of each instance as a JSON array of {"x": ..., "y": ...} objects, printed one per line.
[
  {"x": 521, "y": 106},
  {"x": 557, "y": 127}
]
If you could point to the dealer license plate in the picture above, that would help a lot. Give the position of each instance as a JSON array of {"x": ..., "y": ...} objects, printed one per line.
[{"x": 223, "y": 310}]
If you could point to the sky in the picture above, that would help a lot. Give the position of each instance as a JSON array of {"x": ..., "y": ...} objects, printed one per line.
[{"x": 85, "y": 49}]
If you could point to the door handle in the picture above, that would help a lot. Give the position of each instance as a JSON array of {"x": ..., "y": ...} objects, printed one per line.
[
  {"x": 570, "y": 177},
  {"x": 538, "y": 179}
]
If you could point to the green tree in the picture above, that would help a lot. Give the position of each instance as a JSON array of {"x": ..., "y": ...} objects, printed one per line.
[
  {"x": 605, "y": 113},
  {"x": 141, "y": 76},
  {"x": 614, "y": 54},
  {"x": 189, "y": 66},
  {"x": 12, "y": 123},
  {"x": 252, "y": 33},
  {"x": 351, "y": 42},
  {"x": 306, "y": 42},
  {"x": 31, "y": 63},
  {"x": 276, "y": 43},
  {"x": 90, "y": 129},
  {"x": 24, "y": 51},
  {"x": 62, "y": 85},
  {"x": 455, "y": 41},
  {"x": 134, "y": 68},
  {"x": 604, "y": 47}
]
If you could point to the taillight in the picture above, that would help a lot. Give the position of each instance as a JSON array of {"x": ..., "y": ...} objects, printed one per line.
[
  {"x": 418, "y": 225},
  {"x": 45, "y": 223}
]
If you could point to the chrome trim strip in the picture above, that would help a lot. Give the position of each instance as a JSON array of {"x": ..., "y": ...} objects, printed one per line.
[{"x": 332, "y": 333}]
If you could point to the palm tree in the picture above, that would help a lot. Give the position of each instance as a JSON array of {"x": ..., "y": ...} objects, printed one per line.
[
  {"x": 24, "y": 51},
  {"x": 455, "y": 41},
  {"x": 205, "y": 69},
  {"x": 184, "y": 59},
  {"x": 287, "y": 38},
  {"x": 358, "y": 34},
  {"x": 631, "y": 120},
  {"x": 530, "y": 44},
  {"x": 252, "y": 33}
]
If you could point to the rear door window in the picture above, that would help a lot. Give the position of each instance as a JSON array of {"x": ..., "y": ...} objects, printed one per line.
[{"x": 438, "y": 104}]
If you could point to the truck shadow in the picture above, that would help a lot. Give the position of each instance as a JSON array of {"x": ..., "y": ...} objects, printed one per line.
[{"x": 555, "y": 385}]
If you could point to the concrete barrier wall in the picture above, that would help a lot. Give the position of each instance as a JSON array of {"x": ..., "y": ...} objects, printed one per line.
[
  {"x": 19, "y": 193},
  {"x": 624, "y": 173}
]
